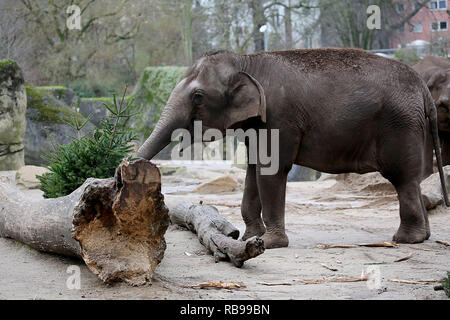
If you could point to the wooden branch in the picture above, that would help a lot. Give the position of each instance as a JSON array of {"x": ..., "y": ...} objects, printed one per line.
[
  {"x": 214, "y": 232},
  {"x": 115, "y": 225}
]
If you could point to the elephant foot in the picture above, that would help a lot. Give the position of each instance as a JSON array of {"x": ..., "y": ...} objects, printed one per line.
[
  {"x": 253, "y": 231},
  {"x": 411, "y": 235},
  {"x": 276, "y": 239}
]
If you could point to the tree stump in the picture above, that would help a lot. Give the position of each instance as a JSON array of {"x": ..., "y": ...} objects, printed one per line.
[{"x": 115, "y": 225}]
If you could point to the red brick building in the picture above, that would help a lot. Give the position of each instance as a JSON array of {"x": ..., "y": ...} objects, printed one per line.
[{"x": 430, "y": 24}]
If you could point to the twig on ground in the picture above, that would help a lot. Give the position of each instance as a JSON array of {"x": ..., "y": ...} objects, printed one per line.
[
  {"x": 423, "y": 249},
  {"x": 332, "y": 246},
  {"x": 379, "y": 244},
  {"x": 218, "y": 285},
  {"x": 443, "y": 242},
  {"x": 409, "y": 256},
  {"x": 414, "y": 282},
  {"x": 275, "y": 284},
  {"x": 323, "y": 280},
  {"x": 327, "y": 267},
  {"x": 347, "y": 246}
]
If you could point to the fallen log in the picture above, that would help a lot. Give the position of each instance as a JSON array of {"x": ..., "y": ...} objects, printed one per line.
[
  {"x": 214, "y": 232},
  {"x": 115, "y": 225}
]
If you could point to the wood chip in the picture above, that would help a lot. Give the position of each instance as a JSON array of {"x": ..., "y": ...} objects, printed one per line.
[
  {"x": 327, "y": 267},
  {"x": 219, "y": 285},
  {"x": 443, "y": 242},
  {"x": 414, "y": 282},
  {"x": 275, "y": 284},
  {"x": 409, "y": 256},
  {"x": 379, "y": 244}
]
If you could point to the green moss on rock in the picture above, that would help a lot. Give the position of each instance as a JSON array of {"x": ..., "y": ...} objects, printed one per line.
[
  {"x": 39, "y": 101},
  {"x": 9, "y": 69},
  {"x": 105, "y": 99},
  {"x": 58, "y": 92},
  {"x": 7, "y": 63}
]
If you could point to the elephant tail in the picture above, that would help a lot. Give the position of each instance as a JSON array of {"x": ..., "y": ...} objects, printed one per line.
[{"x": 432, "y": 116}]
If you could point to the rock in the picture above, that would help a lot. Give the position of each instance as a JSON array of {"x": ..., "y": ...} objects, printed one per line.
[
  {"x": 372, "y": 182},
  {"x": 8, "y": 177},
  {"x": 66, "y": 95},
  {"x": 219, "y": 185},
  {"x": 13, "y": 105},
  {"x": 330, "y": 176},
  {"x": 47, "y": 125},
  {"x": 26, "y": 177},
  {"x": 169, "y": 171},
  {"x": 299, "y": 173},
  {"x": 95, "y": 107},
  {"x": 240, "y": 156},
  {"x": 432, "y": 191}
]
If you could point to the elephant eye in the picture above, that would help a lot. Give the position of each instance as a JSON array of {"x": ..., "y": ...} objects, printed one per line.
[{"x": 197, "y": 98}]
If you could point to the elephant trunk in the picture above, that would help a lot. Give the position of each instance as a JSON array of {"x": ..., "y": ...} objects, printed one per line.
[{"x": 176, "y": 115}]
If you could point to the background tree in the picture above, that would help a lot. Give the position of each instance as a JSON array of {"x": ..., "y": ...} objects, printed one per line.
[
  {"x": 344, "y": 23},
  {"x": 71, "y": 51}
]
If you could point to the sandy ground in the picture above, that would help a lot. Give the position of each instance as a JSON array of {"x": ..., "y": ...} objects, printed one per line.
[{"x": 323, "y": 212}]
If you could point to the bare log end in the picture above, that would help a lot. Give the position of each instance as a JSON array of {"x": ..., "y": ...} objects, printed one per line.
[
  {"x": 253, "y": 248},
  {"x": 120, "y": 224}
]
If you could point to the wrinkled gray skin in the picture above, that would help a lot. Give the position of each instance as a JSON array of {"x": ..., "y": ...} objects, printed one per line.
[
  {"x": 435, "y": 71},
  {"x": 338, "y": 110}
]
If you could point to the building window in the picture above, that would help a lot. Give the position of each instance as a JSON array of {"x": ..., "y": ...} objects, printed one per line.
[
  {"x": 439, "y": 26},
  {"x": 400, "y": 7},
  {"x": 438, "y": 5},
  {"x": 417, "y": 27}
]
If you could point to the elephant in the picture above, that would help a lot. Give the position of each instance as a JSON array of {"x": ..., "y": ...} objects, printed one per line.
[
  {"x": 337, "y": 110},
  {"x": 435, "y": 71}
]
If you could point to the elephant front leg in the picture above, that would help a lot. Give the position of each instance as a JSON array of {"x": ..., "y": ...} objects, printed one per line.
[
  {"x": 272, "y": 192},
  {"x": 251, "y": 206}
]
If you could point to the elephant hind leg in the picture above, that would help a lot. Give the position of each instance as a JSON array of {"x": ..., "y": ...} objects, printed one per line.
[
  {"x": 402, "y": 165},
  {"x": 414, "y": 226}
]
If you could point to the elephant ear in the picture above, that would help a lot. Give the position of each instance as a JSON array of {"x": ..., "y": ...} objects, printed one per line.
[
  {"x": 436, "y": 79},
  {"x": 246, "y": 99}
]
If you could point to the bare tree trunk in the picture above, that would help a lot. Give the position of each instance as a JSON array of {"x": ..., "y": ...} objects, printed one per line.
[
  {"x": 214, "y": 232},
  {"x": 259, "y": 20},
  {"x": 288, "y": 26},
  {"x": 115, "y": 225}
]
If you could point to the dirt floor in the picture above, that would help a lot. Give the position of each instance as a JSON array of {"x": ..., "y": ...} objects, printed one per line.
[{"x": 359, "y": 209}]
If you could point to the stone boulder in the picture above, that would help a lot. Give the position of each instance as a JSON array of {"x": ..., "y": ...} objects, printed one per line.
[
  {"x": 299, "y": 173},
  {"x": 26, "y": 177},
  {"x": 240, "y": 156},
  {"x": 47, "y": 125},
  {"x": 8, "y": 177},
  {"x": 219, "y": 185},
  {"x": 66, "y": 95},
  {"x": 13, "y": 105},
  {"x": 95, "y": 108},
  {"x": 432, "y": 191}
]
